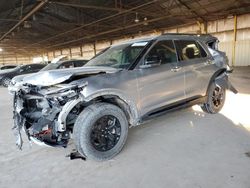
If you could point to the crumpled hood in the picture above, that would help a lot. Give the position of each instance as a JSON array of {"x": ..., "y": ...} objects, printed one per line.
[{"x": 52, "y": 77}]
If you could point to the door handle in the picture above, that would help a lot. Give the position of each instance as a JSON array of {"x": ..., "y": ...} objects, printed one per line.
[{"x": 175, "y": 69}]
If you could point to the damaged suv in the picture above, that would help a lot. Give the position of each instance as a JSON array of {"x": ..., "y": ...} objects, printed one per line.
[{"x": 121, "y": 87}]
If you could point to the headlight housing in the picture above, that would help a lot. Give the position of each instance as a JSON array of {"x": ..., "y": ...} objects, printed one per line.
[{"x": 65, "y": 93}]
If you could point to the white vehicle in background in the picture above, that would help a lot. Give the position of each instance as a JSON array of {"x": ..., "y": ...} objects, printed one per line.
[{"x": 60, "y": 62}]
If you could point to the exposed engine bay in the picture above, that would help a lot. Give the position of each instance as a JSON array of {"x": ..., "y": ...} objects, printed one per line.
[
  {"x": 43, "y": 110},
  {"x": 38, "y": 108}
]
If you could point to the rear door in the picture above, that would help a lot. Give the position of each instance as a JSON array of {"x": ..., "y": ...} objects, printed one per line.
[
  {"x": 162, "y": 85},
  {"x": 198, "y": 66}
]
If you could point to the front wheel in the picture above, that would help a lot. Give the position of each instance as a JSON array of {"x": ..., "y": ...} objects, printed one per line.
[
  {"x": 100, "y": 131},
  {"x": 215, "y": 99}
]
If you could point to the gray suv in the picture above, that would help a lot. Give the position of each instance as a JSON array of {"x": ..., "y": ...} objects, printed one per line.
[{"x": 121, "y": 87}]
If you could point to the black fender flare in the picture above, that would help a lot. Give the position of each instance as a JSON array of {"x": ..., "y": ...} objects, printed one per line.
[{"x": 220, "y": 77}]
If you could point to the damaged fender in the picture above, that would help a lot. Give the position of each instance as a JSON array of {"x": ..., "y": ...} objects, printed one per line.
[{"x": 62, "y": 117}]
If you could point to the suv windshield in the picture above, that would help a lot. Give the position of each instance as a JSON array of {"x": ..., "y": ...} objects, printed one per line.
[{"x": 121, "y": 56}]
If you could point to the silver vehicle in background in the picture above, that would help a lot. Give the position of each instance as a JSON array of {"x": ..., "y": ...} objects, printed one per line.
[
  {"x": 61, "y": 62},
  {"x": 121, "y": 87}
]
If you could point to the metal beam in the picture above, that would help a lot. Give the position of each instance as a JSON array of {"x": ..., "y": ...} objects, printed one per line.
[
  {"x": 234, "y": 41},
  {"x": 87, "y": 6},
  {"x": 109, "y": 31},
  {"x": 9, "y": 20},
  {"x": 35, "y": 9},
  {"x": 116, "y": 9},
  {"x": 95, "y": 22},
  {"x": 190, "y": 10}
]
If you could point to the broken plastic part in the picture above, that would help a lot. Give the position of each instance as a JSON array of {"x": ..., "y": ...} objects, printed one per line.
[{"x": 76, "y": 155}]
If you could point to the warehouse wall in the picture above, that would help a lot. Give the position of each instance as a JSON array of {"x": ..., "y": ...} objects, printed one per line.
[
  {"x": 16, "y": 59},
  {"x": 223, "y": 29}
]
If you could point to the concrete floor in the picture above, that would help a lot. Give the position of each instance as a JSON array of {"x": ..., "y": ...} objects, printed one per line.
[{"x": 186, "y": 149}]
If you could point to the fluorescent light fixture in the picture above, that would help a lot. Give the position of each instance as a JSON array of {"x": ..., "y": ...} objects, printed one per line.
[
  {"x": 136, "y": 18},
  {"x": 1, "y": 49}
]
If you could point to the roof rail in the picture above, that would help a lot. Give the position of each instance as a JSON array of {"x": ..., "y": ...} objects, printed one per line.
[{"x": 188, "y": 34}]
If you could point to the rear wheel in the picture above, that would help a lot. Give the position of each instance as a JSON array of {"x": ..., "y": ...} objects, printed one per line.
[
  {"x": 100, "y": 131},
  {"x": 215, "y": 99}
]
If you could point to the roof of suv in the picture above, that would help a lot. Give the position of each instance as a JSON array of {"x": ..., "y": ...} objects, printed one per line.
[
  {"x": 70, "y": 60},
  {"x": 202, "y": 37}
]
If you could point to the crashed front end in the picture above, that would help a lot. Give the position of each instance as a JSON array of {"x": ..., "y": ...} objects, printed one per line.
[{"x": 44, "y": 112}]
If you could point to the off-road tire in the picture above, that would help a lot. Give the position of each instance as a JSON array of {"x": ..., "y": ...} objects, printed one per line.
[
  {"x": 85, "y": 123},
  {"x": 212, "y": 106}
]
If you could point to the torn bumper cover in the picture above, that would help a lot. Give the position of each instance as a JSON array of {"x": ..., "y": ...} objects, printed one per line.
[
  {"x": 222, "y": 80},
  {"x": 43, "y": 113}
]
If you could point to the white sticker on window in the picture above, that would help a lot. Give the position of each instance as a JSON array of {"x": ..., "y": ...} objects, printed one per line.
[{"x": 140, "y": 44}]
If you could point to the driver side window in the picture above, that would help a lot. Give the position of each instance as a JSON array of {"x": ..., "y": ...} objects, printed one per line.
[{"x": 164, "y": 51}]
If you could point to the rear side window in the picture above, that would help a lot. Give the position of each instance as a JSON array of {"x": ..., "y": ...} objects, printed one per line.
[
  {"x": 67, "y": 65},
  {"x": 79, "y": 63},
  {"x": 165, "y": 51},
  {"x": 40, "y": 66},
  {"x": 189, "y": 49}
]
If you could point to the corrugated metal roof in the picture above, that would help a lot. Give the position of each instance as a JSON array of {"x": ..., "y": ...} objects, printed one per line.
[{"x": 65, "y": 23}]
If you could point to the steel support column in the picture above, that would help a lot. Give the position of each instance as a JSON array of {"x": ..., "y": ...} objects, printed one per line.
[{"x": 234, "y": 41}]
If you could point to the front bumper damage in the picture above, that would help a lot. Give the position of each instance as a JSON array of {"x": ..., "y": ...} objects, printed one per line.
[{"x": 43, "y": 114}]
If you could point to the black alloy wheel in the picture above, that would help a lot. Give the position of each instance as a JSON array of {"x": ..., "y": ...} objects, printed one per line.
[
  {"x": 217, "y": 97},
  {"x": 105, "y": 133}
]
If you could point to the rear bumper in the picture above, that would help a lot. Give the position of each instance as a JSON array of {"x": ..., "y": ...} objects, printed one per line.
[
  {"x": 231, "y": 87},
  {"x": 222, "y": 80}
]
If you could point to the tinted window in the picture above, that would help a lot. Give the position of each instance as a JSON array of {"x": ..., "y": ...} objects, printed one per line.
[
  {"x": 36, "y": 66},
  {"x": 27, "y": 67},
  {"x": 165, "y": 51},
  {"x": 67, "y": 65},
  {"x": 189, "y": 49},
  {"x": 79, "y": 63},
  {"x": 42, "y": 66},
  {"x": 7, "y": 67}
]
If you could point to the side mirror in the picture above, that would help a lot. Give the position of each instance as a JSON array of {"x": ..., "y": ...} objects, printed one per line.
[{"x": 151, "y": 61}]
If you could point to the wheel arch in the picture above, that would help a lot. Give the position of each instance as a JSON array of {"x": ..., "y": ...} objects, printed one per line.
[
  {"x": 115, "y": 98},
  {"x": 215, "y": 75},
  {"x": 127, "y": 105}
]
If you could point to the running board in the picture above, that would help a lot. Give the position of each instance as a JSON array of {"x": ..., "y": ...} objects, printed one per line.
[{"x": 173, "y": 107}]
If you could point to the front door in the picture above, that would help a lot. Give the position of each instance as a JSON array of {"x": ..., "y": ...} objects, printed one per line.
[{"x": 163, "y": 84}]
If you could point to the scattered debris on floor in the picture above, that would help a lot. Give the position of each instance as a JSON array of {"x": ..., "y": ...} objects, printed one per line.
[
  {"x": 248, "y": 154},
  {"x": 75, "y": 155}
]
